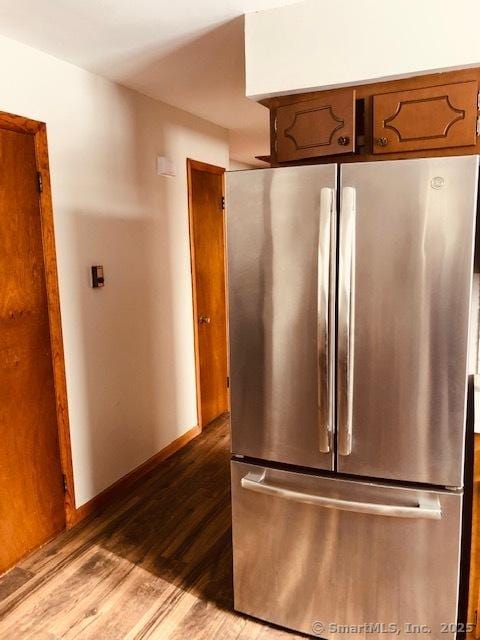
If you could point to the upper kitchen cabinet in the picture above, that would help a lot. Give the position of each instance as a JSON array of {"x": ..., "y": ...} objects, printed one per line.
[
  {"x": 319, "y": 127},
  {"x": 416, "y": 117},
  {"x": 436, "y": 117}
]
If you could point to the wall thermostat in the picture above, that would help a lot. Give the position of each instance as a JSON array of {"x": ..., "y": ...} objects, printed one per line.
[{"x": 98, "y": 279}]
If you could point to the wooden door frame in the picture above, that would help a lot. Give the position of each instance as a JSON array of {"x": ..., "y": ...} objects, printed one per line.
[
  {"x": 209, "y": 168},
  {"x": 39, "y": 132}
]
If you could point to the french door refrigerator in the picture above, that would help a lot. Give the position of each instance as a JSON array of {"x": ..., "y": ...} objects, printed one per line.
[{"x": 349, "y": 301}]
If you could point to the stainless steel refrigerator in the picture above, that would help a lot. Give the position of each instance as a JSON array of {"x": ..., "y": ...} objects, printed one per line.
[{"x": 349, "y": 302}]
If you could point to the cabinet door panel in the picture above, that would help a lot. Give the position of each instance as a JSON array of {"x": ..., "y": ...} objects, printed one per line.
[
  {"x": 320, "y": 127},
  {"x": 429, "y": 118}
]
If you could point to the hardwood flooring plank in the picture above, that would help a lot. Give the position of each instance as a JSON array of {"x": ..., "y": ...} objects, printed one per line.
[
  {"x": 155, "y": 566},
  {"x": 61, "y": 597},
  {"x": 13, "y": 580},
  {"x": 113, "y": 617}
]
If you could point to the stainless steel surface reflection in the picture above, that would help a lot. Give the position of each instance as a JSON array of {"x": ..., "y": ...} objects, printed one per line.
[
  {"x": 413, "y": 273},
  {"x": 384, "y": 371},
  {"x": 276, "y": 364},
  {"x": 297, "y": 564}
]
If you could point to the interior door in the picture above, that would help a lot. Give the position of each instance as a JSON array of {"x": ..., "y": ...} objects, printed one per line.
[
  {"x": 323, "y": 555},
  {"x": 281, "y": 228},
  {"x": 31, "y": 485},
  {"x": 208, "y": 262},
  {"x": 405, "y": 271}
]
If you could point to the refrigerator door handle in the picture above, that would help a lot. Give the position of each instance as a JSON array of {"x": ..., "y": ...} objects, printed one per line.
[
  {"x": 428, "y": 507},
  {"x": 346, "y": 320},
  {"x": 325, "y": 319}
]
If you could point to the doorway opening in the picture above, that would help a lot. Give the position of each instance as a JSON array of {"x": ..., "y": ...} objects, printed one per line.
[{"x": 206, "y": 198}]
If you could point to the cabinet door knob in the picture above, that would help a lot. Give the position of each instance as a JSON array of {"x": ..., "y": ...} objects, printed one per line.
[
  {"x": 204, "y": 320},
  {"x": 343, "y": 140},
  {"x": 382, "y": 142}
]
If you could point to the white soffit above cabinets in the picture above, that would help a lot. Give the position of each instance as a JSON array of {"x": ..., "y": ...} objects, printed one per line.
[{"x": 319, "y": 44}]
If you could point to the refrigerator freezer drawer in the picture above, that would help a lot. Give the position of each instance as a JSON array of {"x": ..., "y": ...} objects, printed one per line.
[{"x": 343, "y": 559}]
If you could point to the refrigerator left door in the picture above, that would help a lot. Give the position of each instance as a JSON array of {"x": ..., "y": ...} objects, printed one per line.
[{"x": 281, "y": 239}]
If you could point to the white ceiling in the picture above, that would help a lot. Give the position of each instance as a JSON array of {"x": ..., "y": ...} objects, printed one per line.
[{"x": 188, "y": 53}]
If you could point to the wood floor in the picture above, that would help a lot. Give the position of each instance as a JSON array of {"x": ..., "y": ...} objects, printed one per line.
[{"x": 157, "y": 565}]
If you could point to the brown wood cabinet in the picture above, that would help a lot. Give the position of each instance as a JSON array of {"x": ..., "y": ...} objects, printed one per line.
[
  {"x": 422, "y": 116},
  {"x": 319, "y": 127},
  {"x": 428, "y": 118}
]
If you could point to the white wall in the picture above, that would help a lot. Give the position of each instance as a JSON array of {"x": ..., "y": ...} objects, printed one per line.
[
  {"x": 129, "y": 346},
  {"x": 323, "y": 43}
]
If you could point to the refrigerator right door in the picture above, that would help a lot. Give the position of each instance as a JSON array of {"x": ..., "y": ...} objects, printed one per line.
[{"x": 406, "y": 244}]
